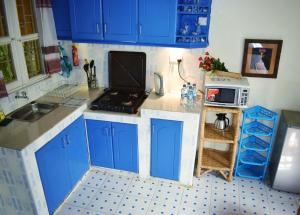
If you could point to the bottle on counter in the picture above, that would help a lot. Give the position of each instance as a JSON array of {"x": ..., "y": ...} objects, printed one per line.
[
  {"x": 183, "y": 94},
  {"x": 190, "y": 95},
  {"x": 194, "y": 92}
]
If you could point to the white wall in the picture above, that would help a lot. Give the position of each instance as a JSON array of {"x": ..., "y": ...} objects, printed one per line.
[{"x": 232, "y": 21}]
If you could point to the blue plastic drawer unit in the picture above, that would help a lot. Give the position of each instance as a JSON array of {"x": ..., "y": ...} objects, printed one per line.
[
  {"x": 257, "y": 135},
  {"x": 113, "y": 145},
  {"x": 166, "y": 138}
]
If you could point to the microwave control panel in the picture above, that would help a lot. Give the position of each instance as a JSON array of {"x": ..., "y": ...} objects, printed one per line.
[{"x": 244, "y": 97}]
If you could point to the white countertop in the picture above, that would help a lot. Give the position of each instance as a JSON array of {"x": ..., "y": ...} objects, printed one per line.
[{"x": 171, "y": 103}]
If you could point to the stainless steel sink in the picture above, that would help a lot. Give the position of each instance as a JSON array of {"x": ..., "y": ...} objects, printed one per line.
[{"x": 33, "y": 111}]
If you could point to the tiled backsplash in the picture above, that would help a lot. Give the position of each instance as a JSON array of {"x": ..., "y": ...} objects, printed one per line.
[{"x": 158, "y": 60}]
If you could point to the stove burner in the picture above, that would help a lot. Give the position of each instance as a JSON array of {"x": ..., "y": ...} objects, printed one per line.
[
  {"x": 135, "y": 95},
  {"x": 114, "y": 93},
  {"x": 129, "y": 103}
]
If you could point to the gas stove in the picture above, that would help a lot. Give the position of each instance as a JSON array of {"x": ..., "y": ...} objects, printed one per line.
[
  {"x": 119, "y": 101},
  {"x": 126, "y": 92}
]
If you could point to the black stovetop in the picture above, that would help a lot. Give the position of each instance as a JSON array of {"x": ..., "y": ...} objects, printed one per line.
[
  {"x": 119, "y": 101},
  {"x": 127, "y": 80}
]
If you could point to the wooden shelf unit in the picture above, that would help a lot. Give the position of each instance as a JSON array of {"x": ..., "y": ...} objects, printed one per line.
[{"x": 217, "y": 160}]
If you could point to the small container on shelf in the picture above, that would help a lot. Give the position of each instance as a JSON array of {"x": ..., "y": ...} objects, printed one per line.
[
  {"x": 257, "y": 128},
  {"x": 250, "y": 171},
  {"x": 253, "y": 158},
  {"x": 254, "y": 143}
]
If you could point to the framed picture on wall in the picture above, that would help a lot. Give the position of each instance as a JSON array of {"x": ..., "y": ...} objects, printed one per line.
[{"x": 261, "y": 58}]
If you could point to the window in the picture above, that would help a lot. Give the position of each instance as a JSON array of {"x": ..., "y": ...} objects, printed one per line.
[{"x": 20, "y": 52}]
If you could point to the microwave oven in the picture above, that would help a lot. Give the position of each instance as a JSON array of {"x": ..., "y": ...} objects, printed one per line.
[{"x": 226, "y": 92}]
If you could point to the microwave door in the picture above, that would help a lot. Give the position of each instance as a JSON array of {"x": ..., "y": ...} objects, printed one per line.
[{"x": 221, "y": 96}]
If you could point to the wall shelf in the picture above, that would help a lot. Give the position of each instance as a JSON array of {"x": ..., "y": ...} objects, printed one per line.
[{"x": 213, "y": 159}]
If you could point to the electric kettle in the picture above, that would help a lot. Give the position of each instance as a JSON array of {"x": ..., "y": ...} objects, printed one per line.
[
  {"x": 159, "y": 84},
  {"x": 222, "y": 122}
]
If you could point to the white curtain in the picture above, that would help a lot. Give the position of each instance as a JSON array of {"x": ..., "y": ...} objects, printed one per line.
[{"x": 48, "y": 37}]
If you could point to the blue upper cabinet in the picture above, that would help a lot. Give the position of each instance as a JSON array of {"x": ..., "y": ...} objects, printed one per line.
[
  {"x": 61, "y": 13},
  {"x": 86, "y": 20},
  {"x": 120, "y": 20},
  {"x": 157, "y": 21},
  {"x": 125, "y": 143},
  {"x": 62, "y": 162},
  {"x": 100, "y": 143},
  {"x": 166, "y": 138}
]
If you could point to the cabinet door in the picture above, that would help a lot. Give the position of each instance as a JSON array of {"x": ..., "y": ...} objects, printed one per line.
[
  {"x": 76, "y": 150},
  {"x": 61, "y": 13},
  {"x": 125, "y": 145},
  {"x": 157, "y": 21},
  {"x": 86, "y": 20},
  {"x": 166, "y": 148},
  {"x": 51, "y": 160},
  {"x": 100, "y": 143},
  {"x": 120, "y": 20}
]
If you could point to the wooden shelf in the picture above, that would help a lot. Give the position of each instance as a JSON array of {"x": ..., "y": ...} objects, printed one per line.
[
  {"x": 216, "y": 159},
  {"x": 214, "y": 135}
]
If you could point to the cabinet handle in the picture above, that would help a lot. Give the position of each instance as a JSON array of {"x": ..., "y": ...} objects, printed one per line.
[
  {"x": 105, "y": 28},
  {"x": 140, "y": 29},
  {"x": 63, "y": 139},
  {"x": 68, "y": 139},
  {"x": 97, "y": 25},
  {"x": 106, "y": 131}
]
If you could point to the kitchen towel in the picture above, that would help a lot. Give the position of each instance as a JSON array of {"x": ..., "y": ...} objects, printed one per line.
[{"x": 48, "y": 36}]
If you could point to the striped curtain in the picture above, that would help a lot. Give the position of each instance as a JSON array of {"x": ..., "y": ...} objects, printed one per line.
[
  {"x": 48, "y": 36},
  {"x": 3, "y": 91}
]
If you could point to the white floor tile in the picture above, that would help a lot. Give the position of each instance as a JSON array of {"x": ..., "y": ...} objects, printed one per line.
[
  {"x": 82, "y": 196},
  {"x": 117, "y": 183},
  {"x": 69, "y": 210},
  {"x": 283, "y": 208},
  {"x": 142, "y": 188},
  {"x": 133, "y": 205},
  {"x": 105, "y": 192},
  {"x": 95, "y": 179},
  {"x": 105, "y": 202}
]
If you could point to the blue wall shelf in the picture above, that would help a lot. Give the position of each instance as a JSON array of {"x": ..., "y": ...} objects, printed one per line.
[{"x": 257, "y": 135}]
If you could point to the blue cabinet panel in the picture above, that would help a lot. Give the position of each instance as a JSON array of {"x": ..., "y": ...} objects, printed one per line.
[
  {"x": 61, "y": 14},
  {"x": 100, "y": 142},
  {"x": 62, "y": 162},
  {"x": 77, "y": 153},
  {"x": 166, "y": 138},
  {"x": 86, "y": 19},
  {"x": 54, "y": 171},
  {"x": 125, "y": 144},
  {"x": 157, "y": 21},
  {"x": 120, "y": 20}
]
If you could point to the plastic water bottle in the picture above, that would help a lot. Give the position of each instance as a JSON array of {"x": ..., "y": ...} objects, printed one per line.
[
  {"x": 190, "y": 95},
  {"x": 183, "y": 94},
  {"x": 194, "y": 92}
]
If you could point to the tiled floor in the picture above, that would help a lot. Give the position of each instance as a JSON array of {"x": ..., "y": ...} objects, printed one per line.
[{"x": 105, "y": 192}]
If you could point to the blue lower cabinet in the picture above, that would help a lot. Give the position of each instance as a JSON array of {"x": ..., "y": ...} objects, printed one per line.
[
  {"x": 62, "y": 162},
  {"x": 113, "y": 145},
  {"x": 100, "y": 143},
  {"x": 125, "y": 145},
  {"x": 77, "y": 152},
  {"x": 166, "y": 141}
]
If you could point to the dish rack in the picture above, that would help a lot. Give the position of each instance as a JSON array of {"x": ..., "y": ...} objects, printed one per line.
[
  {"x": 64, "y": 91},
  {"x": 255, "y": 144}
]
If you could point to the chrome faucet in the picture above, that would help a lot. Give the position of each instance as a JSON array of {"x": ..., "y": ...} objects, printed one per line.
[{"x": 21, "y": 95}]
